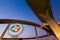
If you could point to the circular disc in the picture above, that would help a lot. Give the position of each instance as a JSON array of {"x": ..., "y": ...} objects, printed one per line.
[{"x": 15, "y": 29}]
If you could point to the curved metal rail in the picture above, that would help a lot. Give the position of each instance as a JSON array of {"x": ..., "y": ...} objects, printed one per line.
[{"x": 12, "y": 21}]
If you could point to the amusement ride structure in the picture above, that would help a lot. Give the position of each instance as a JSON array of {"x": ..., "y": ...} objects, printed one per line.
[{"x": 43, "y": 11}]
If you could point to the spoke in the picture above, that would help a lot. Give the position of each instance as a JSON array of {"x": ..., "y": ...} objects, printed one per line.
[
  {"x": 5, "y": 31},
  {"x": 36, "y": 33}
]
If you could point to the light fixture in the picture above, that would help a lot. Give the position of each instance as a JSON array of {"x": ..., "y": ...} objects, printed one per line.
[{"x": 15, "y": 29}]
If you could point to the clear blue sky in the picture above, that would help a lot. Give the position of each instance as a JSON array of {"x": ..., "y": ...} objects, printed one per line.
[
  {"x": 55, "y": 6},
  {"x": 18, "y": 9}
]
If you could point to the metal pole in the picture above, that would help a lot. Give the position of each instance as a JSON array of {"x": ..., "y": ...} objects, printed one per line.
[{"x": 36, "y": 33}]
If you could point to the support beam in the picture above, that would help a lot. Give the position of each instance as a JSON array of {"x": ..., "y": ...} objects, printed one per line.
[{"x": 42, "y": 10}]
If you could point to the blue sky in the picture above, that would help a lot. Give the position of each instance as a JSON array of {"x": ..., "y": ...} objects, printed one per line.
[
  {"x": 55, "y": 6},
  {"x": 18, "y": 9}
]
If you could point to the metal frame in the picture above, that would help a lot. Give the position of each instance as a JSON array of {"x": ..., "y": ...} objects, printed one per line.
[{"x": 12, "y": 21}]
